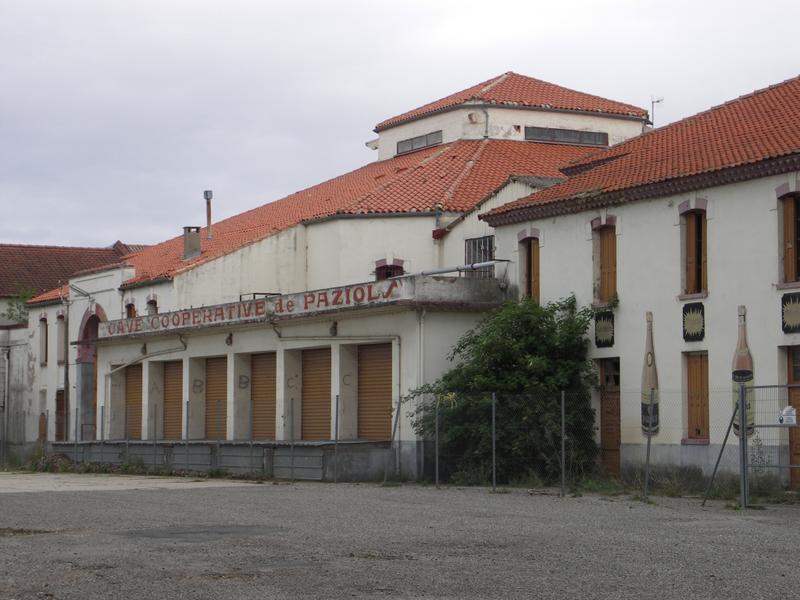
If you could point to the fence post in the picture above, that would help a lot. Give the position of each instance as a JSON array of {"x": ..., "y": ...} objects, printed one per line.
[
  {"x": 155, "y": 433},
  {"x": 76, "y": 435},
  {"x": 336, "y": 441},
  {"x": 291, "y": 440},
  {"x": 494, "y": 442},
  {"x": 649, "y": 441},
  {"x": 436, "y": 442},
  {"x": 219, "y": 434},
  {"x": 743, "y": 416},
  {"x": 563, "y": 445},
  {"x": 186, "y": 438}
]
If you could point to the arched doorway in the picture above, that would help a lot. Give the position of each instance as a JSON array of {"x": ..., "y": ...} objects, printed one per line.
[{"x": 86, "y": 372}]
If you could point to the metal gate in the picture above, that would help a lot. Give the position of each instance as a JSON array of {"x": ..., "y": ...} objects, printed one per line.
[
  {"x": 262, "y": 390},
  {"x": 316, "y": 394},
  {"x": 216, "y": 398},
  {"x": 173, "y": 399},
  {"x": 375, "y": 392},
  {"x": 133, "y": 402}
]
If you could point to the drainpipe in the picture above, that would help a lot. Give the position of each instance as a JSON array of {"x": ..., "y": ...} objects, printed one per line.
[
  {"x": 66, "y": 371},
  {"x": 486, "y": 123},
  {"x": 6, "y": 388}
]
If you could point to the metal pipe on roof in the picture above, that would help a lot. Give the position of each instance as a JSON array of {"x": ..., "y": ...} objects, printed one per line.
[{"x": 459, "y": 269}]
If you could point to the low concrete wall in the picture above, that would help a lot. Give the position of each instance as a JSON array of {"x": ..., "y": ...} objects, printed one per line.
[{"x": 350, "y": 461}]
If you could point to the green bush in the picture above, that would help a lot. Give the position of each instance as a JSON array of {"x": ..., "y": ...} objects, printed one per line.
[{"x": 526, "y": 354}]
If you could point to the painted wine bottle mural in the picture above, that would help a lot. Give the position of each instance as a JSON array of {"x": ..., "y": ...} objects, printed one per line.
[
  {"x": 649, "y": 382},
  {"x": 743, "y": 376}
]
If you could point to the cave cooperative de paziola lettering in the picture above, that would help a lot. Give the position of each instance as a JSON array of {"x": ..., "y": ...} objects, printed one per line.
[{"x": 303, "y": 303}]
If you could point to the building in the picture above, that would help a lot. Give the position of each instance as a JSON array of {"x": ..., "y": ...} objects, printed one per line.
[
  {"x": 308, "y": 319},
  {"x": 687, "y": 222}
]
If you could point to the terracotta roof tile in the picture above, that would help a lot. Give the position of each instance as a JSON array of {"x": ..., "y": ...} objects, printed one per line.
[
  {"x": 511, "y": 89},
  {"x": 759, "y": 126},
  {"x": 41, "y": 267},
  {"x": 455, "y": 176}
]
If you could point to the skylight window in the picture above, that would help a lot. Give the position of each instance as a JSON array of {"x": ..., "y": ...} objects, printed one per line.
[
  {"x": 566, "y": 136},
  {"x": 421, "y": 141}
]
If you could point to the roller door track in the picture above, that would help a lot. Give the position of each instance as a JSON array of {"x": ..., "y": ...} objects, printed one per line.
[
  {"x": 173, "y": 400},
  {"x": 375, "y": 392},
  {"x": 316, "y": 394},
  {"x": 262, "y": 377},
  {"x": 216, "y": 398},
  {"x": 133, "y": 402}
]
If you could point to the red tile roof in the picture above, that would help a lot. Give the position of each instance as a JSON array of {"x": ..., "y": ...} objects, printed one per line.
[
  {"x": 41, "y": 267},
  {"x": 511, "y": 89},
  {"x": 456, "y": 177},
  {"x": 760, "y": 126}
]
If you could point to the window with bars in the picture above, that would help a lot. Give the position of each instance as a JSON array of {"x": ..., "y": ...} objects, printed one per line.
[
  {"x": 478, "y": 250},
  {"x": 386, "y": 271},
  {"x": 421, "y": 141},
  {"x": 566, "y": 136}
]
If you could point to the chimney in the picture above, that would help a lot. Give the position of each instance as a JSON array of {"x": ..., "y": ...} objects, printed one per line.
[
  {"x": 208, "y": 194},
  {"x": 191, "y": 242}
]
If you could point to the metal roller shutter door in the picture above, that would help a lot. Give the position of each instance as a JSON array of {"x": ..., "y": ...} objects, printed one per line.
[
  {"x": 133, "y": 402},
  {"x": 173, "y": 400},
  {"x": 316, "y": 395},
  {"x": 375, "y": 392},
  {"x": 216, "y": 398},
  {"x": 262, "y": 378}
]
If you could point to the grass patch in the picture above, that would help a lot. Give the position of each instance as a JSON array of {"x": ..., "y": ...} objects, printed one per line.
[{"x": 601, "y": 487}]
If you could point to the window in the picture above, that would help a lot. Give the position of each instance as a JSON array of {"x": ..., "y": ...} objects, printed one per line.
[
  {"x": 60, "y": 338},
  {"x": 607, "y": 264},
  {"x": 696, "y": 275},
  {"x": 152, "y": 307},
  {"x": 386, "y": 271},
  {"x": 791, "y": 238},
  {"x": 566, "y": 136},
  {"x": 421, "y": 141},
  {"x": 697, "y": 395},
  {"x": 531, "y": 249},
  {"x": 43, "y": 341},
  {"x": 130, "y": 310},
  {"x": 478, "y": 250}
]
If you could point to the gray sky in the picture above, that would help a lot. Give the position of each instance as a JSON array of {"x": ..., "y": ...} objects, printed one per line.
[{"x": 115, "y": 116}]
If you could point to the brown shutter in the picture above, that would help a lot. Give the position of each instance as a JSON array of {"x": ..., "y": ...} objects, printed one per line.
[
  {"x": 704, "y": 252},
  {"x": 263, "y": 383},
  {"x": 375, "y": 392},
  {"x": 789, "y": 239},
  {"x": 691, "y": 253},
  {"x": 173, "y": 400},
  {"x": 316, "y": 395},
  {"x": 133, "y": 402},
  {"x": 533, "y": 269},
  {"x": 61, "y": 416},
  {"x": 697, "y": 400},
  {"x": 608, "y": 263},
  {"x": 216, "y": 398}
]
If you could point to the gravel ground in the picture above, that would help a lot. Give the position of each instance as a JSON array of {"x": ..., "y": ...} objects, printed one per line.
[{"x": 124, "y": 537}]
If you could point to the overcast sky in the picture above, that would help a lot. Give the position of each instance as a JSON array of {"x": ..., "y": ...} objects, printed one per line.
[{"x": 115, "y": 116}]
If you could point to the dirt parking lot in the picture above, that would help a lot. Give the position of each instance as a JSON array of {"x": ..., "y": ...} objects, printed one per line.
[{"x": 85, "y": 536}]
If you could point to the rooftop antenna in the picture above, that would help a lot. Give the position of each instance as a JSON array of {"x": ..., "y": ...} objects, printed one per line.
[{"x": 653, "y": 102}]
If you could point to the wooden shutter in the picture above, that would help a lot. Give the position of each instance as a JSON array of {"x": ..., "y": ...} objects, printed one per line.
[
  {"x": 533, "y": 269},
  {"x": 375, "y": 392},
  {"x": 697, "y": 396},
  {"x": 691, "y": 253},
  {"x": 703, "y": 252},
  {"x": 263, "y": 385},
  {"x": 61, "y": 416},
  {"x": 133, "y": 402},
  {"x": 316, "y": 395},
  {"x": 789, "y": 239},
  {"x": 608, "y": 263},
  {"x": 216, "y": 398},
  {"x": 173, "y": 400}
]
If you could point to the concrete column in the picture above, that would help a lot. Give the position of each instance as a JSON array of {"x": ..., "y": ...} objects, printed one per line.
[
  {"x": 346, "y": 385},
  {"x": 289, "y": 364},
  {"x": 239, "y": 396},
  {"x": 153, "y": 402},
  {"x": 115, "y": 406},
  {"x": 194, "y": 390}
]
